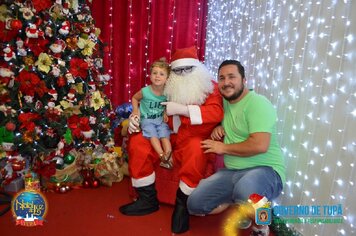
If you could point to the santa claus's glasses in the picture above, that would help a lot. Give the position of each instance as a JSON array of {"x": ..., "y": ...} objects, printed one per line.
[{"x": 181, "y": 70}]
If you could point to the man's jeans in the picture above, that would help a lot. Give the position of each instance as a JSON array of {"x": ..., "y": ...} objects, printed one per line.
[{"x": 233, "y": 186}]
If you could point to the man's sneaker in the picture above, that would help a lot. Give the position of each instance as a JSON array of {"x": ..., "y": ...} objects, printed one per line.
[
  {"x": 263, "y": 231},
  {"x": 244, "y": 223}
]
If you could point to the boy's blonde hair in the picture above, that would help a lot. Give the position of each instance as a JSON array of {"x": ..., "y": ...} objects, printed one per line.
[{"x": 161, "y": 63}]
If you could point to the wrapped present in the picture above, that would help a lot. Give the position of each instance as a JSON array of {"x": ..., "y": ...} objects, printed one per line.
[
  {"x": 15, "y": 185},
  {"x": 32, "y": 182},
  {"x": 108, "y": 170}
]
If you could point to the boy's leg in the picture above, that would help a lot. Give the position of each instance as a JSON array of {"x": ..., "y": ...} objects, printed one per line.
[
  {"x": 156, "y": 144},
  {"x": 167, "y": 161},
  {"x": 166, "y": 144}
]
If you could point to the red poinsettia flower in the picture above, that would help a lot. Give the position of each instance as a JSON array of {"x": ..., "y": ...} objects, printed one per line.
[
  {"x": 27, "y": 120},
  {"x": 53, "y": 114},
  {"x": 37, "y": 45},
  {"x": 28, "y": 82},
  {"x": 28, "y": 116},
  {"x": 41, "y": 5},
  {"x": 73, "y": 124},
  {"x": 45, "y": 169},
  {"x": 79, "y": 67},
  {"x": 6, "y": 35},
  {"x": 31, "y": 84},
  {"x": 84, "y": 124},
  {"x": 78, "y": 124},
  {"x": 41, "y": 88}
]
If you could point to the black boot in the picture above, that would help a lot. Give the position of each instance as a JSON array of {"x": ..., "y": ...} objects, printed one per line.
[
  {"x": 180, "y": 216},
  {"x": 146, "y": 203}
]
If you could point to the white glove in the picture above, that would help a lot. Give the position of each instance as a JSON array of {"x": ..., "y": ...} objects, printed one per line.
[
  {"x": 173, "y": 108},
  {"x": 134, "y": 124}
]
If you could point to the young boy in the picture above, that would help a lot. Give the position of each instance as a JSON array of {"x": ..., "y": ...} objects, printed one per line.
[{"x": 147, "y": 107}]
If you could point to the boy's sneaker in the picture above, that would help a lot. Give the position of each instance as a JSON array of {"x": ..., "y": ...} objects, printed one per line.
[{"x": 166, "y": 161}]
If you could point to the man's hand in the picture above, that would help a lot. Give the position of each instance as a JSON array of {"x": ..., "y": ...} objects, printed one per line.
[
  {"x": 134, "y": 124},
  {"x": 212, "y": 146},
  {"x": 218, "y": 133},
  {"x": 174, "y": 108}
]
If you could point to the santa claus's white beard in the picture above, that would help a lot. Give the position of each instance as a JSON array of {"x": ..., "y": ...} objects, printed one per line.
[{"x": 189, "y": 89}]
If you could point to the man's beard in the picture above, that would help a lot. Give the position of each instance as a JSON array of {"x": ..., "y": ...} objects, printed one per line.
[
  {"x": 189, "y": 89},
  {"x": 236, "y": 95}
]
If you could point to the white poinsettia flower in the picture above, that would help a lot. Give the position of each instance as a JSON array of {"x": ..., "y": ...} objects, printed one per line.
[
  {"x": 96, "y": 100},
  {"x": 86, "y": 45},
  {"x": 44, "y": 62}
]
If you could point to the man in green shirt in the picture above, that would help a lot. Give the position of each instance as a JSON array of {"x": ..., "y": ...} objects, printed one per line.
[{"x": 247, "y": 138}]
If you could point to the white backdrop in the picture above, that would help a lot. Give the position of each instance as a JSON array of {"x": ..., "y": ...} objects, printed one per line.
[{"x": 302, "y": 56}]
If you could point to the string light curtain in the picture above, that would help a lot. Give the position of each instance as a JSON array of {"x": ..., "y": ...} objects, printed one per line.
[
  {"x": 301, "y": 54},
  {"x": 139, "y": 32}
]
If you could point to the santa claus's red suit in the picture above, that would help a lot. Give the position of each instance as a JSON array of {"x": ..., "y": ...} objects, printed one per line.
[{"x": 195, "y": 108}]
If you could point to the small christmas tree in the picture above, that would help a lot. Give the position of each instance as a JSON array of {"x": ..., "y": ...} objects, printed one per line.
[{"x": 51, "y": 84}]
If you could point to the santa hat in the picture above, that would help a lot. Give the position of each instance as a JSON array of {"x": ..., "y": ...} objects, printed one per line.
[
  {"x": 72, "y": 91},
  {"x": 52, "y": 92},
  {"x": 257, "y": 200},
  {"x": 185, "y": 57},
  {"x": 92, "y": 84}
]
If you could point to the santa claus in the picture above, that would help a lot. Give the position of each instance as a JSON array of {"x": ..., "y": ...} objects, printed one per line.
[
  {"x": 195, "y": 108},
  {"x": 53, "y": 98}
]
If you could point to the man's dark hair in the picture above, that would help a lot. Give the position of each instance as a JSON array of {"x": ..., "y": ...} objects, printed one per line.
[{"x": 240, "y": 67}]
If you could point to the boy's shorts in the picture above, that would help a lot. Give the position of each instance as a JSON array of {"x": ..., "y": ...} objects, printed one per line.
[{"x": 155, "y": 128}]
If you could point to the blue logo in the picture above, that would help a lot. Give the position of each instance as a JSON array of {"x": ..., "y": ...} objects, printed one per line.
[
  {"x": 263, "y": 216},
  {"x": 29, "y": 208}
]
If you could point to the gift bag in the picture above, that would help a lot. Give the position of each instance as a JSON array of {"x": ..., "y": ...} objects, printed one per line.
[
  {"x": 69, "y": 175},
  {"x": 108, "y": 170}
]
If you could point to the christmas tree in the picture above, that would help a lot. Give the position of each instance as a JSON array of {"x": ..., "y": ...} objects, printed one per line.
[{"x": 52, "y": 78}]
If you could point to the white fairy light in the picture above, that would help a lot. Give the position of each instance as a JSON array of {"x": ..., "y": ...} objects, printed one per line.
[{"x": 300, "y": 55}]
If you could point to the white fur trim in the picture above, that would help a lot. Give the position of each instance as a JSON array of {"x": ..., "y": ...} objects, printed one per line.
[
  {"x": 145, "y": 181},
  {"x": 195, "y": 115},
  {"x": 185, "y": 62},
  {"x": 185, "y": 188},
  {"x": 260, "y": 203}
]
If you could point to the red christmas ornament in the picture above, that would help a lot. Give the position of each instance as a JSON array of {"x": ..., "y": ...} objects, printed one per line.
[
  {"x": 95, "y": 184},
  {"x": 16, "y": 24},
  {"x": 86, "y": 184},
  {"x": 10, "y": 126},
  {"x": 63, "y": 189}
]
